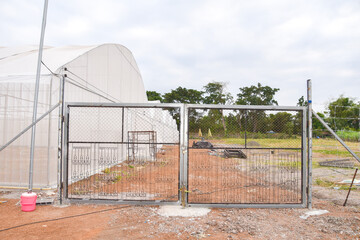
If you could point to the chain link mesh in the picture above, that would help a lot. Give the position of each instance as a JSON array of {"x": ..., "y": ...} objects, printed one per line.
[
  {"x": 246, "y": 128},
  {"x": 245, "y": 156},
  {"x": 123, "y": 153}
]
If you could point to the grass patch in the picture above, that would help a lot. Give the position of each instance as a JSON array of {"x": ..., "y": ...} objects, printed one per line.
[
  {"x": 352, "y": 136},
  {"x": 333, "y": 152},
  {"x": 317, "y": 165},
  {"x": 331, "y": 142},
  {"x": 323, "y": 146},
  {"x": 347, "y": 188},
  {"x": 267, "y": 142},
  {"x": 295, "y": 164},
  {"x": 329, "y": 184},
  {"x": 324, "y": 183}
]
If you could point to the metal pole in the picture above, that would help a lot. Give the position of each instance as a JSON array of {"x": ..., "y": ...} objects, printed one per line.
[
  {"x": 49, "y": 134},
  {"x": 352, "y": 182},
  {"x": 246, "y": 113},
  {"x": 122, "y": 124},
  {"x": 335, "y": 119},
  {"x": 33, "y": 130},
  {"x": 359, "y": 119},
  {"x": 336, "y": 136},
  {"x": 66, "y": 154},
  {"x": 60, "y": 136},
  {"x": 304, "y": 158},
  {"x": 185, "y": 151},
  {"x": 309, "y": 100},
  {"x": 5, "y": 116},
  {"x": 182, "y": 156}
]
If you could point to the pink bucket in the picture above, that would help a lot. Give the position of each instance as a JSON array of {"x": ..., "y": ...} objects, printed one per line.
[{"x": 28, "y": 202}]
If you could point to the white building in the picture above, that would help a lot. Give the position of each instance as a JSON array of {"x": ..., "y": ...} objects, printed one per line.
[{"x": 102, "y": 73}]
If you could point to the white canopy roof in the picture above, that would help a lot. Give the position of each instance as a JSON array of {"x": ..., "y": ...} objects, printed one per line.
[
  {"x": 110, "y": 68},
  {"x": 22, "y": 60}
]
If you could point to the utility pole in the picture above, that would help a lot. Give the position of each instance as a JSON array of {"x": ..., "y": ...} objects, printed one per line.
[{"x": 38, "y": 72}]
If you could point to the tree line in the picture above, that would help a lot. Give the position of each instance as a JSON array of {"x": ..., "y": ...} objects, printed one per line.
[{"x": 344, "y": 110}]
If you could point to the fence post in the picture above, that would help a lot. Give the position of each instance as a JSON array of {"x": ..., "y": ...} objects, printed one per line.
[
  {"x": 304, "y": 158},
  {"x": 185, "y": 151},
  {"x": 60, "y": 137},
  {"x": 309, "y": 108},
  {"x": 182, "y": 155}
]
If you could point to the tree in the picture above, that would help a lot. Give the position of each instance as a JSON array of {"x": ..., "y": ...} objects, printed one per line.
[
  {"x": 282, "y": 122},
  {"x": 216, "y": 94},
  {"x": 256, "y": 95},
  {"x": 298, "y": 116},
  {"x": 344, "y": 113},
  {"x": 301, "y": 102},
  {"x": 153, "y": 96},
  {"x": 316, "y": 124},
  {"x": 184, "y": 95}
]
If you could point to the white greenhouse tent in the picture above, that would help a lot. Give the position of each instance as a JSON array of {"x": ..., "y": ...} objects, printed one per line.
[{"x": 101, "y": 73}]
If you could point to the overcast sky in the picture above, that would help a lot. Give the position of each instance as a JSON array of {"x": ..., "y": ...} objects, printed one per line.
[{"x": 190, "y": 43}]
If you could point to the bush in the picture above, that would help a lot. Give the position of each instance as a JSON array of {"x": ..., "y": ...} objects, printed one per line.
[{"x": 352, "y": 136}]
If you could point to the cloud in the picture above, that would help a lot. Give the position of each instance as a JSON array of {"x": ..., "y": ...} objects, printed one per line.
[{"x": 189, "y": 43}]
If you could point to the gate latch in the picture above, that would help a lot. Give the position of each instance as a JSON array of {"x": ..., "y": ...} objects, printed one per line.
[{"x": 183, "y": 190}]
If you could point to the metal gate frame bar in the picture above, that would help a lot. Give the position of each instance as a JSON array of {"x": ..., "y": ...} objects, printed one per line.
[
  {"x": 184, "y": 145},
  {"x": 304, "y": 178}
]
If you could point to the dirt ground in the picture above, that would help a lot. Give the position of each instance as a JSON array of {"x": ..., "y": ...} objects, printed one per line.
[{"x": 144, "y": 222}]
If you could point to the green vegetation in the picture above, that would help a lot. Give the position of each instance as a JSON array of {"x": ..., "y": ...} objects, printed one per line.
[
  {"x": 330, "y": 184},
  {"x": 342, "y": 114},
  {"x": 118, "y": 178},
  {"x": 349, "y": 135},
  {"x": 329, "y": 147},
  {"x": 324, "y": 183},
  {"x": 342, "y": 153},
  {"x": 266, "y": 142},
  {"x": 295, "y": 164},
  {"x": 154, "y": 96},
  {"x": 344, "y": 187}
]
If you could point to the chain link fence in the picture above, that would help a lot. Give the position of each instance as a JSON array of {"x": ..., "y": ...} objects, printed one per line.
[
  {"x": 122, "y": 153},
  {"x": 333, "y": 165},
  {"x": 246, "y": 156}
]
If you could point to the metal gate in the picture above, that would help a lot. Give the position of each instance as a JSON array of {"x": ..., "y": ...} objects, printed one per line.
[
  {"x": 208, "y": 155},
  {"x": 124, "y": 153},
  {"x": 246, "y": 156}
]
